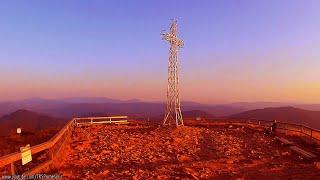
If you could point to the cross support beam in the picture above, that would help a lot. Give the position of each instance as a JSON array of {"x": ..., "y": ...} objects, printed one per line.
[{"x": 173, "y": 115}]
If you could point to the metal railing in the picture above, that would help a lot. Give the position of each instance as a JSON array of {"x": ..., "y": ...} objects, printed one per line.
[
  {"x": 56, "y": 143},
  {"x": 299, "y": 129},
  {"x": 101, "y": 120}
]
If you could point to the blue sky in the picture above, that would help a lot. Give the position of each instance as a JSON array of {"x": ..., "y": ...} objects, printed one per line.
[{"x": 234, "y": 50}]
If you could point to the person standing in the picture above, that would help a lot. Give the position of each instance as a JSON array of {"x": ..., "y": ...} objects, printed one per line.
[{"x": 274, "y": 126}]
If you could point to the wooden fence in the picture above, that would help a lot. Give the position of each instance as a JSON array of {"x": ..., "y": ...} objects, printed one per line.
[
  {"x": 288, "y": 127},
  {"x": 55, "y": 144},
  {"x": 100, "y": 120}
]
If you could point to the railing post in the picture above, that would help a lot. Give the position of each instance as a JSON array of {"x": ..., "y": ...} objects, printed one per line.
[
  {"x": 91, "y": 120},
  {"x": 51, "y": 153},
  {"x": 13, "y": 171}
]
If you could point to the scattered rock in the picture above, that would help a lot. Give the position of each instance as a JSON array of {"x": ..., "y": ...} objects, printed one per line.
[
  {"x": 317, "y": 164},
  {"x": 114, "y": 160},
  {"x": 149, "y": 152},
  {"x": 105, "y": 172},
  {"x": 115, "y": 146},
  {"x": 191, "y": 172},
  {"x": 285, "y": 153},
  {"x": 229, "y": 161},
  {"x": 182, "y": 158}
]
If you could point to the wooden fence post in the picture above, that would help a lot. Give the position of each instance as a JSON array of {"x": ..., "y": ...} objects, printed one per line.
[
  {"x": 13, "y": 171},
  {"x": 51, "y": 153}
]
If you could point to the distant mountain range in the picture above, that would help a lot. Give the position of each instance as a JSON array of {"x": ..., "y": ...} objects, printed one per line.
[
  {"x": 32, "y": 121},
  {"x": 197, "y": 113},
  {"x": 260, "y": 105},
  {"x": 85, "y": 106},
  {"x": 28, "y": 121},
  {"x": 70, "y": 107},
  {"x": 283, "y": 114}
]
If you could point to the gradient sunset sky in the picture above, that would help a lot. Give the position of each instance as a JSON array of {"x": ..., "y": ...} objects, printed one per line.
[{"x": 235, "y": 50}]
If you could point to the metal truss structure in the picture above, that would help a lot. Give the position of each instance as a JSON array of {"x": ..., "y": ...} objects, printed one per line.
[{"x": 173, "y": 113}]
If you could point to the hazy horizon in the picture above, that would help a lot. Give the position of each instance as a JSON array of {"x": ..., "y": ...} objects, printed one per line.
[
  {"x": 235, "y": 51},
  {"x": 143, "y": 100}
]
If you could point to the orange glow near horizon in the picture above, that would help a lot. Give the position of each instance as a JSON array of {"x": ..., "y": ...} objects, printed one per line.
[
  {"x": 269, "y": 53},
  {"x": 229, "y": 88}
]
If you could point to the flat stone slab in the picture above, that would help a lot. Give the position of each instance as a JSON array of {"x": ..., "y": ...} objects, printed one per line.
[
  {"x": 284, "y": 141},
  {"x": 302, "y": 152}
]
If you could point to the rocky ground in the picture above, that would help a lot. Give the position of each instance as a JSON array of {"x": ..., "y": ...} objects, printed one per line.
[
  {"x": 13, "y": 142},
  {"x": 150, "y": 151}
]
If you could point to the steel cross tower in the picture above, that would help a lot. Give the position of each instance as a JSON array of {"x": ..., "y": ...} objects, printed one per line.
[{"x": 173, "y": 110}]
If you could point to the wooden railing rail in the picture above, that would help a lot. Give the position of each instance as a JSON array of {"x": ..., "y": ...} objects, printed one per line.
[
  {"x": 11, "y": 158},
  {"x": 107, "y": 117},
  {"x": 99, "y": 120}
]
